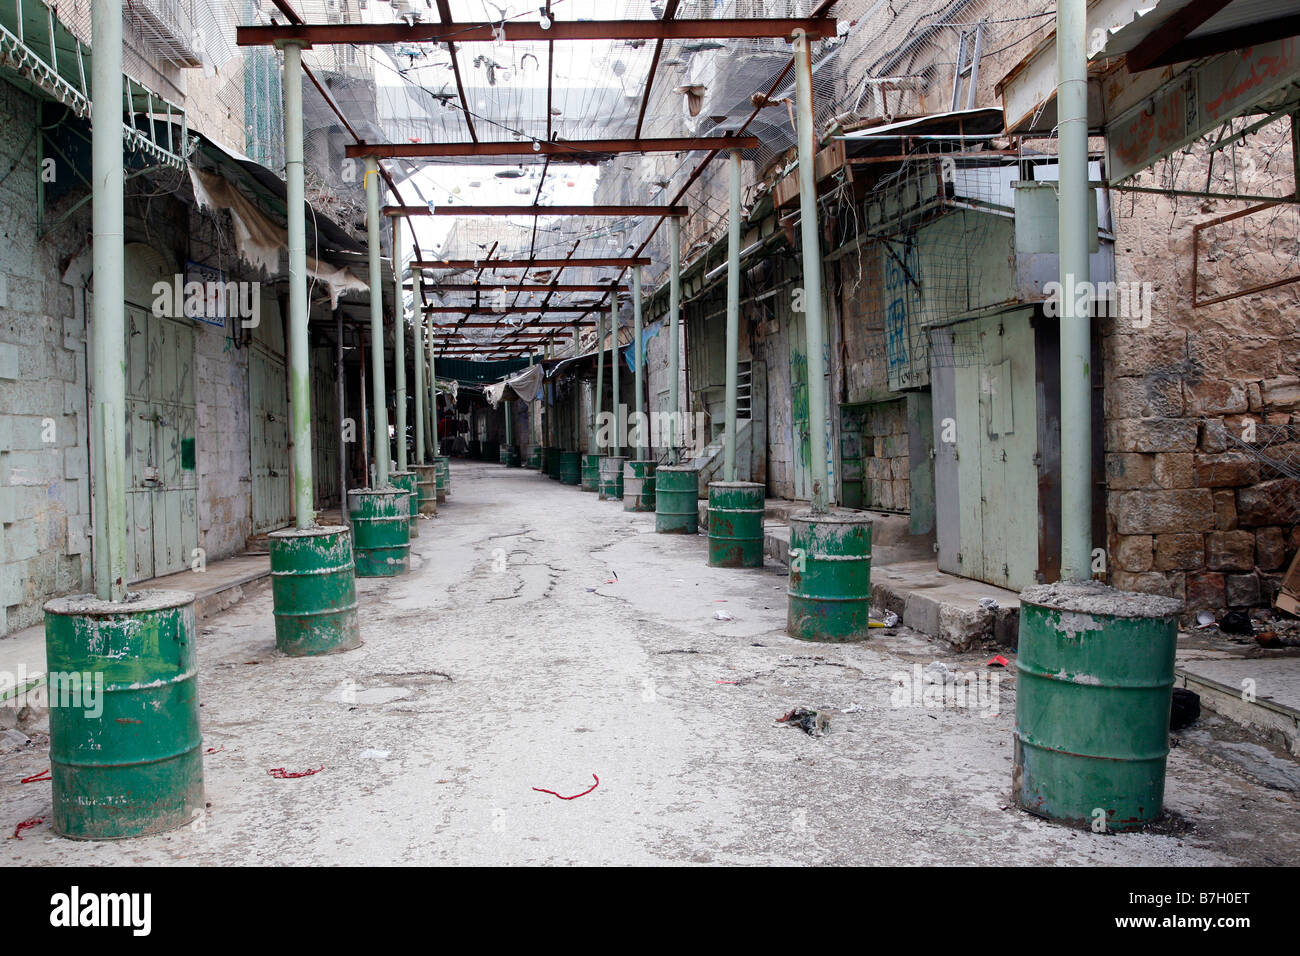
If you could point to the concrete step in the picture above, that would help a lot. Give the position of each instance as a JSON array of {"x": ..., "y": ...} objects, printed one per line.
[
  {"x": 1259, "y": 693},
  {"x": 941, "y": 606}
]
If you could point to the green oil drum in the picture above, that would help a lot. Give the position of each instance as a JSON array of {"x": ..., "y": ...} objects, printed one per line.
[
  {"x": 535, "y": 458},
  {"x": 610, "y": 470},
  {"x": 570, "y": 468},
  {"x": 513, "y": 459},
  {"x": 502, "y": 453},
  {"x": 590, "y": 472},
  {"x": 314, "y": 590},
  {"x": 489, "y": 451},
  {"x": 544, "y": 460},
  {"x": 381, "y": 531},
  {"x": 125, "y": 751},
  {"x": 426, "y": 480},
  {"x": 553, "y": 463},
  {"x": 1095, "y": 676},
  {"x": 735, "y": 524},
  {"x": 639, "y": 486},
  {"x": 408, "y": 481},
  {"x": 677, "y": 499},
  {"x": 830, "y": 577},
  {"x": 443, "y": 464}
]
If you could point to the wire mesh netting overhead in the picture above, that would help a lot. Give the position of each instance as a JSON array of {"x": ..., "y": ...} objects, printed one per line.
[{"x": 888, "y": 60}]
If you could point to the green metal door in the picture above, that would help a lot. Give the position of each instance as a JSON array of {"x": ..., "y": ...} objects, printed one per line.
[
  {"x": 269, "y": 438},
  {"x": 162, "y": 495},
  {"x": 324, "y": 426},
  {"x": 996, "y": 444}
]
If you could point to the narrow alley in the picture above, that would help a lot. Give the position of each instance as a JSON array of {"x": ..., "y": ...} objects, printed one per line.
[{"x": 543, "y": 637}]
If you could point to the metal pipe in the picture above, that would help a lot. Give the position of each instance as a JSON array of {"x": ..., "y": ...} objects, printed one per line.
[
  {"x": 429, "y": 345},
  {"x": 812, "y": 273},
  {"x": 733, "y": 319},
  {"x": 299, "y": 355},
  {"x": 341, "y": 385},
  {"x": 674, "y": 334},
  {"x": 380, "y": 412},
  {"x": 1075, "y": 329},
  {"x": 509, "y": 427},
  {"x": 600, "y": 382},
  {"x": 419, "y": 359},
  {"x": 399, "y": 345},
  {"x": 614, "y": 371},
  {"x": 638, "y": 359},
  {"x": 109, "y": 318}
]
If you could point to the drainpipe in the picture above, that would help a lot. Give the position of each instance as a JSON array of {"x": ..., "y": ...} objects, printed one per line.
[
  {"x": 299, "y": 374},
  {"x": 637, "y": 357},
  {"x": 733, "y": 319},
  {"x": 399, "y": 345},
  {"x": 109, "y": 265},
  {"x": 600, "y": 382},
  {"x": 614, "y": 372},
  {"x": 674, "y": 333},
  {"x": 382, "y": 452},
  {"x": 812, "y": 272},
  {"x": 341, "y": 379},
  {"x": 1075, "y": 329}
]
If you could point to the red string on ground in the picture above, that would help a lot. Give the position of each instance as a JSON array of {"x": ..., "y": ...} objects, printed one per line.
[
  {"x": 27, "y": 825},
  {"x": 42, "y": 777},
  {"x": 215, "y": 750},
  {"x": 576, "y": 795},
  {"x": 279, "y": 773}
]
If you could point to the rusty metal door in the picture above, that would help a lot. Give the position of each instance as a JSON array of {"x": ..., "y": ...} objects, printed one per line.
[
  {"x": 162, "y": 495},
  {"x": 269, "y": 438}
]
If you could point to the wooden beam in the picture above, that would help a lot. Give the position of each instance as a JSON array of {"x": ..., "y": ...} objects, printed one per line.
[
  {"x": 535, "y": 211},
  {"x": 1159, "y": 41},
  {"x": 574, "y": 150},
  {"x": 512, "y": 310},
  {"x": 528, "y": 264},
  {"x": 1238, "y": 38},
  {"x": 517, "y": 287},
  {"x": 376, "y": 34}
]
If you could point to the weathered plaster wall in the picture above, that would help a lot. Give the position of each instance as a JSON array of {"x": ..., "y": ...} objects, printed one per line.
[{"x": 44, "y": 488}]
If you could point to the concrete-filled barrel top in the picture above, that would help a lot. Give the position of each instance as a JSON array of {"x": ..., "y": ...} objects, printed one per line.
[{"x": 1093, "y": 597}]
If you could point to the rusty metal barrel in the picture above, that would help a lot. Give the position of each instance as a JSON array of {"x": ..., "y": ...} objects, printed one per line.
[
  {"x": 381, "y": 531},
  {"x": 570, "y": 468},
  {"x": 1094, "y": 682},
  {"x": 426, "y": 480},
  {"x": 408, "y": 481},
  {"x": 125, "y": 749},
  {"x": 611, "y": 477},
  {"x": 829, "y": 591},
  {"x": 590, "y": 472},
  {"x": 735, "y": 524},
  {"x": 639, "y": 486},
  {"x": 677, "y": 499},
  {"x": 314, "y": 591},
  {"x": 443, "y": 464}
]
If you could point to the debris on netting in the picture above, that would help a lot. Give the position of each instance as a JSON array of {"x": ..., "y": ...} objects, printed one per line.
[
  {"x": 279, "y": 773},
  {"x": 814, "y": 723},
  {"x": 576, "y": 795},
  {"x": 1184, "y": 709}
]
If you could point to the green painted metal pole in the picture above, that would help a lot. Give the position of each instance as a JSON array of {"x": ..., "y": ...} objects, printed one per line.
[
  {"x": 812, "y": 273},
  {"x": 380, "y": 411},
  {"x": 1075, "y": 329},
  {"x": 614, "y": 371},
  {"x": 299, "y": 354},
  {"x": 433, "y": 398},
  {"x": 600, "y": 382},
  {"x": 733, "y": 320},
  {"x": 399, "y": 345},
  {"x": 638, "y": 358},
  {"x": 509, "y": 425},
  {"x": 108, "y": 258},
  {"x": 419, "y": 349},
  {"x": 674, "y": 332}
]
